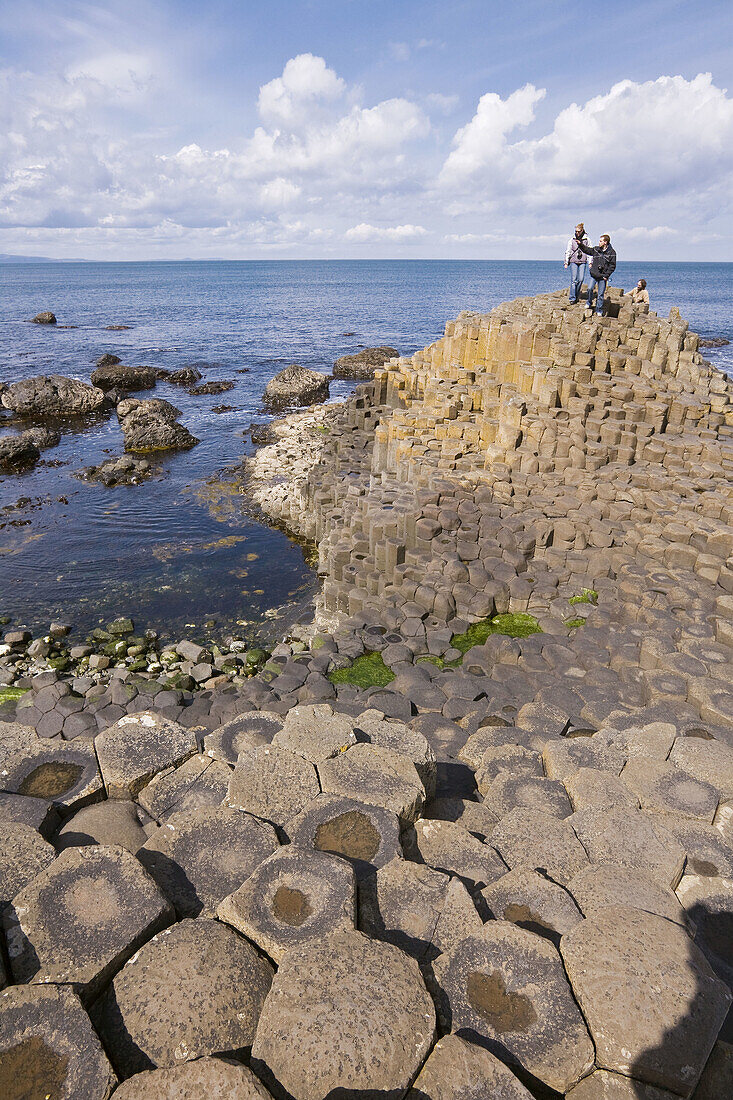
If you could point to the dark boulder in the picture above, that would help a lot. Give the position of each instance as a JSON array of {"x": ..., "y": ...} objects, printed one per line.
[
  {"x": 151, "y": 426},
  {"x": 186, "y": 376},
  {"x": 52, "y": 395},
  {"x": 714, "y": 342},
  {"x": 43, "y": 437},
  {"x": 116, "y": 376},
  {"x": 362, "y": 365},
  {"x": 296, "y": 386},
  {"x": 17, "y": 452},
  {"x": 108, "y": 360},
  {"x": 211, "y": 387},
  {"x": 260, "y": 434},
  {"x": 45, "y": 317}
]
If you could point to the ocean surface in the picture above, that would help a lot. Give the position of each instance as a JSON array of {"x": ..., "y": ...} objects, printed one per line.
[{"x": 179, "y": 550}]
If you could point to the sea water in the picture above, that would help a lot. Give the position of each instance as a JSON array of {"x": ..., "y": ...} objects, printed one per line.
[{"x": 181, "y": 549}]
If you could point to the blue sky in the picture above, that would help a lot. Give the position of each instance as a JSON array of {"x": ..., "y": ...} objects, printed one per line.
[{"x": 172, "y": 129}]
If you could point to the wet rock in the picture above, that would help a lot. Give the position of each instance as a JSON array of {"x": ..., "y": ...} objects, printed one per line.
[
  {"x": 48, "y": 1047},
  {"x": 375, "y": 1019},
  {"x": 507, "y": 987},
  {"x": 315, "y": 732},
  {"x": 198, "y": 783},
  {"x": 214, "y": 1078},
  {"x": 185, "y": 376},
  {"x": 17, "y": 452},
  {"x": 199, "y": 857},
  {"x": 194, "y": 990},
  {"x": 210, "y": 388},
  {"x": 78, "y": 920},
  {"x": 362, "y": 365},
  {"x": 136, "y": 748},
  {"x": 386, "y": 778},
  {"x": 45, "y": 317},
  {"x": 367, "y": 836},
  {"x": 296, "y": 386},
  {"x": 151, "y": 426},
  {"x": 458, "y": 1070},
  {"x": 241, "y": 735},
  {"x": 714, "y": 342},
  {"x": 126, "y": 470},
  {"x": 531, "y": 840},
  {"x": 23, "y": 855},
  {"x": 52, "y": 395},
  {"x": 272, "y": 783},
  {"x": 116, "y": 376},
  {"x": 107, "y": 360},
  {"x": 108, "y": 822},
  {"x": 293, "y": 897},
  {"x": 59, "y": 772},
  {"x": 533, "y": 902},
  {"x": 636, "y": 977}
]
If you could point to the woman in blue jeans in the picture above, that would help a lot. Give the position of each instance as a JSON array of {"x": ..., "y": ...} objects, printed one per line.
[{"x": 576, "y": 261}]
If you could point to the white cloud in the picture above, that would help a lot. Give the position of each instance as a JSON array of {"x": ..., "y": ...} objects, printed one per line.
[
  {"x": 482, "y": 142},
  {"x": 403, "y": 233},
  {"x": 443, "y": 103},
  {"x": 305, "y": 81}
]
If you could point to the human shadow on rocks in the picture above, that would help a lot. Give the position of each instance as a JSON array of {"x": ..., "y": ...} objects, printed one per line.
[{"x": 689, "y": 1044}]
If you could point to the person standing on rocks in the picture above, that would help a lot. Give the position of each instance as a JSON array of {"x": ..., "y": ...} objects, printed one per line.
[
  {"x": 640, "y": 294},
  {"x": 576, "y": 261},
  {"x": 602, "y": 267}
]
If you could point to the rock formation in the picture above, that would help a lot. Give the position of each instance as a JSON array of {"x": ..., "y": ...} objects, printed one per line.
[
  {"x": 52, "y": 395},
  {"x": 476, "y": 837},
  {"x": 363, "y": 364},
  {"x": 295, "y": 386},
  {"x": 152, "y": 426}
]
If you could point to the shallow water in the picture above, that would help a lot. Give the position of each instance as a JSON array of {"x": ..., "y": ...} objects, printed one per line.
[{"x": 179, "y": 549}]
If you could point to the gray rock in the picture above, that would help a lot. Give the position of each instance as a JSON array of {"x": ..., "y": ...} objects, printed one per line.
[
  {"x": 272, "y": 783},
  {"x": 194, "y": 990},
  {"x": 368, "y": 836},
  {"x": 457, "y": 1070},
  {"x": 663, "y": 788},
  {"x": 48, "y": 1047},
  {"x": 197, "y": 783},
  {"x": 108, "y": 822},
  {"x": 509, "y": 791},
  {"x": 636, "y": 977},
  {"x": 375, "y": 1020},
  {"x": 39, "y": 813},
  {"x": 214, "y": 1078},
  {"x": 78, "y": 920},
  {"x": 45, "y": 317},
  {"x": 381, "y": 776},
  {"x": 17, "y": 451},
  {"x": 631, "y": 839},
  {"x": 152, "y": 426},
  {"x": 58, "y": 772},
  {"x": 137, "y": 747},
  {"x": 450, "y": 848},
  {"x": 199, "y": 857},
  {"x": 291, "y": 898},
  {"x": 108, "y": 360},
  {"x": 534, "y": 841},
  {"x": 52, "y": 395},
  {"x": 591, "y": 788},
  {"x": 315, "y": 732},
  {"x": 602, "y": 1085},
  {"x": 507, "y": 986},
  {"x": 362, "y": 365},
  {"x": 396, "y": 736},
  {"x": 296, "y": 386},
  {"x": 607, "y": 886},
  {"x": 117, "y": 376},
  {"x": 23, "y": 855},
  {"x": 242, "y": 734}
]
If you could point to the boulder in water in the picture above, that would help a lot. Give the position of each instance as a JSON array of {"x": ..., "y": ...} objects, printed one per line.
[
  {"x": 45, "y": 317},
  {"x": 151, "y": 426},
  {"x": 17, "y": 451},
  {"x": 186, "y": 376},
  {"x": 108, "y": 360},
  {"x": 296, "y": 386},
  {"x": 362, "y": 365},
  {"x": 211, "y": 387},
  {"x": 119, "y": 377},
  {"x": 52, "y": 395}
]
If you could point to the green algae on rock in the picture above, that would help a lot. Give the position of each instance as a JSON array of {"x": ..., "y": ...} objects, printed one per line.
[
  {"x": 514, "y": 625},
  {"x": 369, "y": 670}
]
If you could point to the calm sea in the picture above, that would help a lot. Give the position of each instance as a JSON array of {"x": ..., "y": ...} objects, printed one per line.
[{"x": 178, "y": 550}]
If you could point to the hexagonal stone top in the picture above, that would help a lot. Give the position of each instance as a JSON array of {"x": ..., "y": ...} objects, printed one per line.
[
  {"x": 508, "y": 986},
  {"x": 194, "y": 784},
  {"x": 48, "y": 1047},
  {"x": 137, "y": 747},
  {"x": 23, "y": 855},
  {"x": 365, "y": 835},
  {"x": 457, "y": 1070},
  {"x": 79, "y": 920},
  {"x": 58, "y": 771},
  {"x": 196, "y": 989},
  {"x": 375, "y": 1019},
  {"x": 272, "y": 783},
  {"x": 197, "y": 858},
  {"x": 242, "y": 734},
  {"x": 652, "y": 1002},
  {"x": 602, "y": 1085},
  {"x": 371, "y": 727},
  {"x": 213, "y": 1078},
  {"x": 536, "y": 841},
  {"x": 372, "y": 774},
  {"x": 315, "y": 732},
  {"x": 632, "y": 839},
  {"x": 293, "y": 897}
]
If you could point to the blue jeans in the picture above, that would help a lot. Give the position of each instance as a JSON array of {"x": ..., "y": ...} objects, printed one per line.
[
  {"x": 577, "y": 276},
  {"x": 601, "y": 284}
]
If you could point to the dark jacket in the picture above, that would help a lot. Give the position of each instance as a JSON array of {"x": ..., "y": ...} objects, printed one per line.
[{"x": 603, "y": 264}]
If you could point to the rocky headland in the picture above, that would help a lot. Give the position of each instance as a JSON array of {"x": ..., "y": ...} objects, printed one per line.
[{"x": 471, "y": 834}]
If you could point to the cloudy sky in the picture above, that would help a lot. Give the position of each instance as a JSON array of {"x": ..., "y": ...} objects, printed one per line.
[{"x": 142, "y": 129}]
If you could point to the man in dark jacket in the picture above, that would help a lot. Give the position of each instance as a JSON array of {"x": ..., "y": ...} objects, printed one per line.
[{"x": 602, "y": 267}]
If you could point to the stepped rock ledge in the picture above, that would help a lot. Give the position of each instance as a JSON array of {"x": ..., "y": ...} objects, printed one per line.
[{"x": 468, "y": 835}]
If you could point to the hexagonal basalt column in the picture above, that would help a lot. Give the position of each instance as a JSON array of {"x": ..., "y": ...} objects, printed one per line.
[
  {"x": 57, "y": 771},
  {"x": 368, "y": 836},
  {"x": 136, "y": 748}
]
